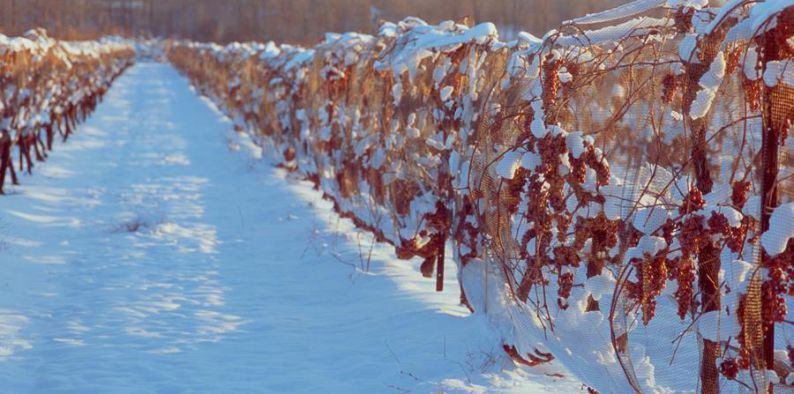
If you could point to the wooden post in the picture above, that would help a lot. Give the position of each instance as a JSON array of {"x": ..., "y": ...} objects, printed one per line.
[
  {"x": 773, "y": 121},
  {"x": 440, "y": 264},
  {"x": 5, "y": 157},
  {"x": 708, "y": 256}
]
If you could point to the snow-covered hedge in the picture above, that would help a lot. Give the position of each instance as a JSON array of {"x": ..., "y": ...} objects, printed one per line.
[
  {"x": 47, "y": 86},
  {"x": 602, "y": 186}
]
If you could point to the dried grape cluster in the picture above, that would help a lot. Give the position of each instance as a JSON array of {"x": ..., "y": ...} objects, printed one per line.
[
  {"x": 46, "y": 88},
  {"x": 544, "y": 191},
  {"x": 669, "y": 87},
  {"x": 729, "y": 368},
  {"x": 508, "y": 149}
]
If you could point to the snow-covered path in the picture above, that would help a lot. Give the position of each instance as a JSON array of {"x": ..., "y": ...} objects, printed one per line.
[{"x": 150, "y": 255}]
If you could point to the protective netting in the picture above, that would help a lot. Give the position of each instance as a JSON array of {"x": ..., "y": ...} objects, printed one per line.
[
  {"x": 46, "y": 87},
  {"x": 618, "y": 194}
]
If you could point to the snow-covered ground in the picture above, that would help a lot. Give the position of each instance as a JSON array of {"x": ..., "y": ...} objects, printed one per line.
[{"x": 153, "y": 253}]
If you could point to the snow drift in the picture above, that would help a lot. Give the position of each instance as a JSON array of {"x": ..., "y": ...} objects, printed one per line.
[{"x": 607, "y": 189}]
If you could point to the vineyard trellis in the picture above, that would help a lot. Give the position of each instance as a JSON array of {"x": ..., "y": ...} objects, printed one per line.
[
  {"x": 46, "y": 87},
  {"x": 618, "y": 193}
]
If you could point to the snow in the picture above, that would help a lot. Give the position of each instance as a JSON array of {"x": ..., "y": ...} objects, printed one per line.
[
  {"x": 397, "y": 93},
  {"x": 781, "y": 229},
  {"x": 446, "y": 93},
  {"x": 733, "y": 216},
  {"x": 575, "y": 144},
  {"x": 697, "y": 4},
  {"x": 529, "y": 39},
  {"x": 740, "y": 270},
  {"x": 509, "y": 164},
  {"x": 614, "y": 203},
  {"x": 538, "y": 125},
  {"x": 763, "y": 15},
  {"x": 423, "y": 39},
  {"x": 630, "y": 28},
  {"x": 711, "y": 326},
  {"x": 702, "y": 104},
  {"x": 648, "y": 245},
  {"x": 601, "y": 285},
  {"x": 709, "y": 83},
  {"x": 213, "y": 272},
  {"x": 752, "y": 207},
  {"x": 750, "y": 64},
  {"x": 649, "y": 220},
  {"x": 722, "y": 14},
  {"x": 687, "y": 48},
  {"x": 530, "y": 161},
  {"x": 772, "y": 376},
  {"x": 620, "y": 12},
  {"x": 779, "y": 71},
  {"x": 565, "y": 76},
  {"x": 639, "y": 193}
]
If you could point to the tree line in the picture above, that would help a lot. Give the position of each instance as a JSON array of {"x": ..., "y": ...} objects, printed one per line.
[{"x": 292, "y": 21}]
